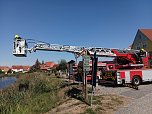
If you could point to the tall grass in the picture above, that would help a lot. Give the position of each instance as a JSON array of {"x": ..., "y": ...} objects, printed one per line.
[{"x": 40, "y": 96}]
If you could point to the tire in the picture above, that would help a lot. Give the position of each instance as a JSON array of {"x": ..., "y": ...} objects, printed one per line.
[
  {"x": 115, "y": 83},
  {"x": 136, "y": 81}
]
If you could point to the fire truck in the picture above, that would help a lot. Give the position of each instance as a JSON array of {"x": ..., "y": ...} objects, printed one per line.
[{"x": 127, "y": 66}]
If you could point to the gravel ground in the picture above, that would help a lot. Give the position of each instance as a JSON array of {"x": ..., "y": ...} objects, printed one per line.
[
  {"x": 142, "y": 105},
  {"x": 141, "y": 100}
]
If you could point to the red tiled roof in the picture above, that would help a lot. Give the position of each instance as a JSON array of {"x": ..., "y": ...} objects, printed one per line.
[
  {"x": 4, "y": 67},
  {"x": 26, "y": 68},
  {"x": 48, "y": 65},
  {"x": 56, "y": 65},
  {"x": 147, "y": 32},
  {"x": 18, "y": 67}
]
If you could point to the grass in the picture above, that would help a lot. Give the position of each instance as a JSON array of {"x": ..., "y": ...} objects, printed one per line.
[
  {"x": 40, "y": 97},
  {"x": 99, "y": 108},
  {"x": 89, "y": 111}
]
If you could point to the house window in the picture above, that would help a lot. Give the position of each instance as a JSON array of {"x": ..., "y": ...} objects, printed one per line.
[
  {"x": 144, "y": 38},
  {"x": 138, "y": 46},
  {"x": 140, "y": 36},
  {"x": 144, "y": 46}
]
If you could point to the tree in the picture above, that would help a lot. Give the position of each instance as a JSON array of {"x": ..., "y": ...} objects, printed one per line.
[
  {"x": 62, "y": 65},
  {"x": 1, "y": 72},
  {"x": 36, "y": 66},
  {"x": 42, "y": 62},
  {"x": 9, "y": 71}
]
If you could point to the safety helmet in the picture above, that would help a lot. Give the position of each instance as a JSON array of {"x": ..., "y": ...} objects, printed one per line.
[{"x": 16, "y": 36}]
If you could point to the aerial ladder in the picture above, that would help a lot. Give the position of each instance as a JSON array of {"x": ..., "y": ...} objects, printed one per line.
[
  {"x": 21, "y": 48},
  {"x": 123, "y": 58}
]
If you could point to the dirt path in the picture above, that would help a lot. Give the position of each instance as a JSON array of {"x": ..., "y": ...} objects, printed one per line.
[
  {"x": 104, "y": 104},
  {"x": 70, "y": 106}
]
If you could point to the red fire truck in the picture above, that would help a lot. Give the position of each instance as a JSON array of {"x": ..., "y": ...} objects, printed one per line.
[{"x": 128, "y": 66}]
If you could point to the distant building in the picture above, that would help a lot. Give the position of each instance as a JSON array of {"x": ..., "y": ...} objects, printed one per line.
[
  {"x": 143, "y": 39},
  {"x": 48, "y": 66},
  {"x": 5, "y": 69},
  {"x": 26, "y": 68},
  {"x": 20, "y": 68},
  {"x": 17, "y": 68}
]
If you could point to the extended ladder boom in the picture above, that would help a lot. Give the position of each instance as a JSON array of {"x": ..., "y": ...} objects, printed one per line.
[
  {"x": 21, "y": 48},
  {"x": 74, "y": 49}
]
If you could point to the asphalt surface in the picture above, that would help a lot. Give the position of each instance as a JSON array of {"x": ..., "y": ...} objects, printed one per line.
[{"x": 141, "y": 100}]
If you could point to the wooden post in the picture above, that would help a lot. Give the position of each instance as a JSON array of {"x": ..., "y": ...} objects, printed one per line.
[
  {"x": 86, "y": 89},
  {"x": 86, "y": 67},
  {"x": 83, "y": 80},
  {"x": 94, "y": 74}
]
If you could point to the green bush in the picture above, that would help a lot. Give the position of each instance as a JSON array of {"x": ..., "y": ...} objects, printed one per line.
[{"x": 1, "y": 72}]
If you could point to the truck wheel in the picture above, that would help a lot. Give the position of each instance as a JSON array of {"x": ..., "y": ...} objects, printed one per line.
[{"x": 136, "y": 81}]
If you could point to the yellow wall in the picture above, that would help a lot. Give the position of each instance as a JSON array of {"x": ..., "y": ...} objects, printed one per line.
[{"x": 140, "y": 40}]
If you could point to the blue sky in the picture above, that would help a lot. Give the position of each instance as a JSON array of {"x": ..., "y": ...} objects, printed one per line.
[{"x": 100, "y": 23}]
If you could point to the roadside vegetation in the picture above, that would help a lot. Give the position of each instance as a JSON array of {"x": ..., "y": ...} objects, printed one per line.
[
  {"x": 33, "y": 93},
  {"x": 38, "y": 92}
]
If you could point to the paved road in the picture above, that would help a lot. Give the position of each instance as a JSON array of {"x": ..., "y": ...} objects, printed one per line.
[{"x": 141, "y": 99}]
